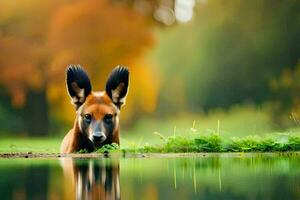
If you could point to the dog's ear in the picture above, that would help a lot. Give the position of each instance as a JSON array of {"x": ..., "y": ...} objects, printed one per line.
[
  {"x": 78, "y": 84},
  {"x": 117, "y": 85}
]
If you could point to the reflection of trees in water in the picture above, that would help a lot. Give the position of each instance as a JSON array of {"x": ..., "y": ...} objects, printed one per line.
[
  {"x": 92, "y": 179},
  {"x": 259, "y": 161},
  {"x": 259, "y": 176},
  {"x": 211, "y": 163},
  {"x": 186, "y": 178},
  {"x": 28, "y": 183}
]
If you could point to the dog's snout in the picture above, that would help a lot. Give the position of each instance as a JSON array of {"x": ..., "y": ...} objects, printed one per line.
[{"x": 99, "y": 137}]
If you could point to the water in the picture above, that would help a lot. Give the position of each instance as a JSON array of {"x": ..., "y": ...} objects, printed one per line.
[{"x": 212, "y": 178}]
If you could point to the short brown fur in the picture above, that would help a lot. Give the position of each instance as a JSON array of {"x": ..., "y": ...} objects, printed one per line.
[
  {"x": 100, "y": 105},
  {"x": 97, "y": 116}
]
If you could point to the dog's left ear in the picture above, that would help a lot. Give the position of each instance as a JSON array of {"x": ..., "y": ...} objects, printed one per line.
[{"x": 117, "y": 85}]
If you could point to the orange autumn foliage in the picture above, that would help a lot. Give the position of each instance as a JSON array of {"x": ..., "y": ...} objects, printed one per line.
[{"x": 38, "y": 41}]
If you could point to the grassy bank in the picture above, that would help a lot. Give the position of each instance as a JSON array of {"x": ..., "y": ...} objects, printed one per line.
[
  {"x": 33, "y": 145},
  {"x": 193, "y": 142},
  {"x": 216, "y": 143}
]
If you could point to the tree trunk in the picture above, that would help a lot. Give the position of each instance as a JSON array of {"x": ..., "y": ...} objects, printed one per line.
[{"x": 36, "y": 113}]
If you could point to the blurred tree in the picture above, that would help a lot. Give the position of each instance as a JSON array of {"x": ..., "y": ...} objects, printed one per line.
[
  {"x": 24, "y": 58},
  {"x": 227, "y": 54},
  {"x": 285, "y": 105},
  {"x": 38, "y": 41}
]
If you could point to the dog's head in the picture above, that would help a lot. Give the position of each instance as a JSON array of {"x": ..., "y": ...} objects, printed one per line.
[{"x": 98, "y": 112}]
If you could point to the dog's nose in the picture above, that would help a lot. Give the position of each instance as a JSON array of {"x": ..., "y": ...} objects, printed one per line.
[{"x": 99, "y": 138}]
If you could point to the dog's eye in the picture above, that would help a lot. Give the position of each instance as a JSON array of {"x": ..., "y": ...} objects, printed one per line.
[
  {"x": 108, "y": 118},
  {"x": 88, "y": 118}
]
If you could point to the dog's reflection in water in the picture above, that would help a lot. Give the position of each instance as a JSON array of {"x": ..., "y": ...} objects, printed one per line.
[{"x": 91, "y": 178}]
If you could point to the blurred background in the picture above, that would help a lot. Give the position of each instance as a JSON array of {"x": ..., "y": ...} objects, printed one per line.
[{"x": 231, "y": 65}]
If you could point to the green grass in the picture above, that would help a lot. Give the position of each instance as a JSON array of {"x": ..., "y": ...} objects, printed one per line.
[
  {"x": 34, "y": 145},
  {"x": 194, "y": 142},
  {"x": 239, "y": 121},
  {"x": 215, "y": 143}
]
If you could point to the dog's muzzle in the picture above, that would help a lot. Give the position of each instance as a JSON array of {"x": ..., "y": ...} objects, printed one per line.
[{"x": 98, "y": 137}]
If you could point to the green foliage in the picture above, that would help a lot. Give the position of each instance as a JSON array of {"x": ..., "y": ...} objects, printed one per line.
[
  {"x": 228, "y": 54},
  {"x": 294, "y": 143},
  {"x": 215, "y": 143},
  {"x": 211, "y": 143},
  {"x": 178, "y": 144},
  {"x": 253, "y": 143},
  {"x": 83, "y": 151},
  {"x": 108, "y": 148}
]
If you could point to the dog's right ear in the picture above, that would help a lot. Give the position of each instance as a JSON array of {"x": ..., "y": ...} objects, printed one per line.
[{"x": 78, "y": 84}]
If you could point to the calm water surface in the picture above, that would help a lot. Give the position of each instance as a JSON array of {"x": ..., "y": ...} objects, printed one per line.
[{"x": 210, "y": 178}]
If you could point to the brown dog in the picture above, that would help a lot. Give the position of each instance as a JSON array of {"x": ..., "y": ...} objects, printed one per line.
[{"x": 97, "y": 113}]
